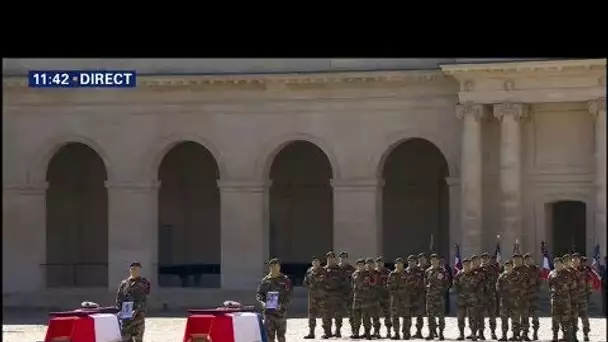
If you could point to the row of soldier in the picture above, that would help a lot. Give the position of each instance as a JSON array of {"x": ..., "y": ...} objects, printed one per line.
[{"x": 370, "y": 291}]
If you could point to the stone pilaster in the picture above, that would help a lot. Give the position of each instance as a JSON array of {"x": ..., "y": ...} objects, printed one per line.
[
  {"x": 455, "y": 232},
  {"x": 598, "y": 109},
  {"x": 357, "y": 220},
  {"x": 133, "y": 229},
  {"x": 510, "y": 116},
  {"x": 471, "y": 177},
  {"x": 24, "y": 236},
  {"x": 244, "y": 208}
]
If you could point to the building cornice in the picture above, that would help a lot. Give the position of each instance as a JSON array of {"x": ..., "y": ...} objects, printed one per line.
[{"x": 573, "y": 65}]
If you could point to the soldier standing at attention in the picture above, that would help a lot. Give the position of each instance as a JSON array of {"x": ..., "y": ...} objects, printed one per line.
[
  {"x": 534, "y": 289},
  {"x": 362, "y": 284},
  {"x": 436, "y": 282},
  {"x": 476, "y": 269},
  {"x": 450, "y": 274},
  {"x": 466, "y": 283},
  {"x": 133, "y": 293},
  {"x": 583, "y": 291},
  {"x": 398, "y": 292},
  {"x": 383, "y": 298},
  {"x": 412, "y": 285},
  {"x": 370, "y": 266},
  {"x": 315, "y": 281},
  {"x": 559, "y": 292},
  {"x": 421, "y": 310},
  {"x": 336, "y": 284},
  {"x": 521, "y": 297},
  {"x": 567, "y": 263},
  {"x": 505, "y": 288},
  {"x": 488, "y": 301},
  {"x": 278, "y": 286},
  {"x": 348, "y": 270}
]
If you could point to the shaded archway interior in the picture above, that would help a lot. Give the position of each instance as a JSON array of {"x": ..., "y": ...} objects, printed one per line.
[
  {"x": 76, "y": 218},
  {"x": 567, "y": 226},
  {"x": 301, "y": 206},
  {"x": 189, "y": 237},
  {"x": 415, "y": 200}
]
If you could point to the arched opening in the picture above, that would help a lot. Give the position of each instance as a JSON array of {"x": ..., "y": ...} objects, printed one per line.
[
  {"x": 76, "y": 218},
  {"x": 189, "y": 239},
  {"x": 301, "y": 207},
  {"x": 566, "y": 223},
  {"x": 415, "y": 200}
]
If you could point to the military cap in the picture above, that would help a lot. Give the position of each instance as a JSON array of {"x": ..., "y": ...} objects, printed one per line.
[
  {"x": 399, "y": 261},
  {"x": 516, "y": 255},
  {"x": 343, "y": 254},
  {"x": 314, "y": 257},
  {"x": 135, "y": 264},
  {"x": 508, "y": 262},
  {"x": 466, "y": 261},
  {"x": 421, "y": 255},
  {"x": 475, "y": 256},
  {"x": 485, "y": 255},
  {"x": 274, "y": 261},
  {"x": 379, "y": 259},
  {"x": 330, "y": 254},
  {"x": 411, "y": 258},
  {"x": 557, "y": 260},
  {"x": 566, "y": 256},
  {"x": 434, "y": 256},
  {"x": 576, "y": 255},
  {"x": 369, "y": 260},
  {"x": 527, "y": 255},
  {"x": 360, "y": 261}
]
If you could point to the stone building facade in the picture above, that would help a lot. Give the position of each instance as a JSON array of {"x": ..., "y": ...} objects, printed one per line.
[{"x": 229, "y": 164}]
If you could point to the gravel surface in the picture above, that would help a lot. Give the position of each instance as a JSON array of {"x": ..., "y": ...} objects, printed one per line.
[{"x": 170, "y": 329}]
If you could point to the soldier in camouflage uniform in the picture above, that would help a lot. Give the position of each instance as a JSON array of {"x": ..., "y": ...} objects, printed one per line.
[
  {"x": 363, "y": 284},
  {"x": 479, "y": 272},
  {"x": 375, "y": 311},
  {"x": 275, "y": 319},
  {"x": 336, "y": 286},
  {"x": 533, "y": 291},
  {"x": 466, "y": 283},
  {"x": 506, "y": 291},
  {"x": 436, "y": 283},
  {"x": 315, "y": 281},
  {"x": 348, "y": 270},
  {"x": 397, "y": 289},
  {"x": 559, "y": 291},
  {"x": 413, "y": 282},
  {"x": 134, "y": 289},
  {"x": 583, "y": 291},
  {"x": 421, "y": 305},
  {"x": 521, "y": 298},
  {"x": 383, "y": 298},
  {"x": 488, "y": 300}
]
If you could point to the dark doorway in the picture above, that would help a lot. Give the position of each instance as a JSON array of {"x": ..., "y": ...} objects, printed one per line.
[
  {"x": 301, "y": 207},
  {"x": 415, "y": 200},
  {"x": 189, "y": 218},
  {"x": 76, "y": 219},
  {"x": 567, "y": 226}
]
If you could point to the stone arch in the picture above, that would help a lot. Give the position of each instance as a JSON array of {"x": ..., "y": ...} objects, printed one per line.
[
  {"x": 39, "y": 162},
  {"x": 415, "y": 199},
  {"x": 274, "y": 146},
  {"x": 154, "y": 156}
]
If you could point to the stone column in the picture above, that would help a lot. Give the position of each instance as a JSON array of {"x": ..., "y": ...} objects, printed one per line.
[
  {"x": 357, "y": 217},
  {"x": 455, "y": 232},
  {"x": 471, "y": 177},
  {"x": 598, "y": 109},
  {"x": 133, "y": 230},
  {"x": 510, "y": 116},
  {"x": 244, "y": 236},
  {"x": 24, "y": 238}
]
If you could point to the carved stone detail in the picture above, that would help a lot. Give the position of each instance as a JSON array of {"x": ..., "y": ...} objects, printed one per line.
[
  {"x": 518, "y": 111},
  {"x": 468, "y": 85},
  {"x": 474, "y": 110},
  {"x": 596, "y": 106},
  {"x": 509, "y": 85}
]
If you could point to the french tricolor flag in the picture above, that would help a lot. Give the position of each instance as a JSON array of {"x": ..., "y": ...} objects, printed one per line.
[
  {"x": 594, "y": 273},
  {"x": 547, "y": 264},
  {"x": 497, "y": 253},
  {"x": 457, "y": 259}
]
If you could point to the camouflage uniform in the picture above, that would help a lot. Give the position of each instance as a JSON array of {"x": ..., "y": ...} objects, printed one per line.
[
  {"x": 560, "y": 287},
  {"x": 481, "y": 294},
  {"x": 488, "y": 300},
  {"x": 384, "y": 299},
  {"x": 315, "y": 281},
  {"x": 533, "y": 290},
  {"x": 336, "y": 285},
  {"x": 583, "y": 291},
  {"x": 413, "y": 282},
  {"x": 467, "y": 286},
  {"x": 136, "y": 290},
  {"x": 521, "y": 308},
  {"x": 275, "y": 320},
  {"x": 363, "y": 284},
  {"x": 436, "y": 283},
  {"x": 421, "y": 311},
  {"x": 506, "y": 290},
  {"x": 398, "y": 296},
  {"x": 349, "y": 270}
]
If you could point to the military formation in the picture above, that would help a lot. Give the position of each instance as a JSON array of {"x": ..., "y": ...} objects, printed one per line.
[{"x": 371, "y": 295}]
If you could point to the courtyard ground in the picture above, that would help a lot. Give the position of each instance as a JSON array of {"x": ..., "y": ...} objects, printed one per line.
[{"x": 29, "y": 326}]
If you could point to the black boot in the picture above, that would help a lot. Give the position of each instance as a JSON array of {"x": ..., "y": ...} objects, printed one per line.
[
  {"x": 535, "y": 335},
  {"x": 406, "y": 335},
  {"x": 367, "y": 334},
  {"x": 326, "y": 335},
  {"x": 555, "y": 339},
  {"x": 461, "y": 336},
  {"x": 525, "y": 337},
  {"x": 395, "y": 336},
  {"x": 503, "y": 337},
  {"x": 441, "y": 338},
  {"x": 311, "y": 334},
  {"x": 338, "y": 333},
  {"x": 494, "y": 337},
  {"x": 431, "y": 335},
  {"x": 482, "y": 336},
  {"x": 418, "y": 334}
]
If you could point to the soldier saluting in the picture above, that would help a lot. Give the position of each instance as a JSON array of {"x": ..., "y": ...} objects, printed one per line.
[
  {"x": 131, "y": 300},
  {"x": 315, "y": 281},
  {"x": 506, "y": 290},
  {"x": 274, "y": 295}
]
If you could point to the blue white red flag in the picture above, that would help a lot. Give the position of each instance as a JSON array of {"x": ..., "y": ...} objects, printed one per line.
[
  {"x": 457, "y": 259},
  {"x": 547, "y": 264},
  {"x": 594, "y": 270},
  {"x": 497, "y": 253}
]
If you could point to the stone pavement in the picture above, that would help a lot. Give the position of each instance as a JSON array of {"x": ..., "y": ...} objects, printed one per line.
[{"x": 170, "y": 329}]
